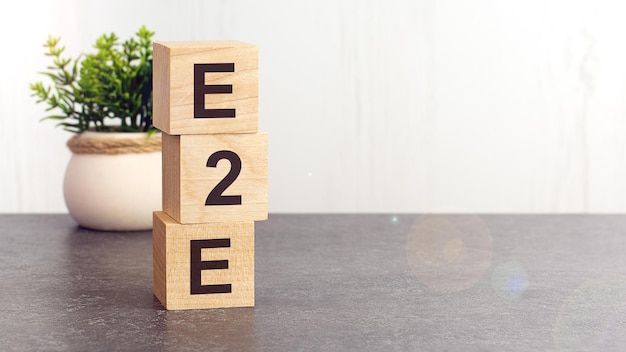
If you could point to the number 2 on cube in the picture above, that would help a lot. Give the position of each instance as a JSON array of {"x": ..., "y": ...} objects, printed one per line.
[{"x": 215, "y": 197}]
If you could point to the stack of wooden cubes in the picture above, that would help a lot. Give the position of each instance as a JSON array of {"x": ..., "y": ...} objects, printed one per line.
[{"x": 214, "y": 173}]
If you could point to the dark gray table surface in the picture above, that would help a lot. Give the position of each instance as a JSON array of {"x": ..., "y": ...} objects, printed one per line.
[{"x": 330, "y": 282}]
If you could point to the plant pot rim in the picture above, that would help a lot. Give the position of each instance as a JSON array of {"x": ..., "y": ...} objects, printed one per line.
[
  {"x": 115, "y": 135},
  {"x": 108, "y": 143}
]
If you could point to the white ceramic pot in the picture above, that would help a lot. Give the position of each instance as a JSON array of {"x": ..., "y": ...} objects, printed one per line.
[{"x": 113, "y": 192}]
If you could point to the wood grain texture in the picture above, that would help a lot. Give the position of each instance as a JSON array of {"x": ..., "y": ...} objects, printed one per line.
[
  {"x": 174, "y": 86},
  {"x": 187, "y": 181},
  {"x": 171, "y": 263},
  {"x": 170, "y": 164}
]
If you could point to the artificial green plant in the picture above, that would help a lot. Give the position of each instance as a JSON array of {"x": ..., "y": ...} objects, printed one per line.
[{"x": 106, "y": 91}]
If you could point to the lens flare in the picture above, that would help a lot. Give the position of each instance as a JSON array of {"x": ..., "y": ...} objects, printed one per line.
[
  {"x": 510, "y": 280},
  {"x": 449, "y": 253},
  {"x": 593, "y": 317}
]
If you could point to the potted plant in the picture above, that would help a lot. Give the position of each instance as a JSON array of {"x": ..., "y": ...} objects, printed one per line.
[{"x": 113, "y": 180}]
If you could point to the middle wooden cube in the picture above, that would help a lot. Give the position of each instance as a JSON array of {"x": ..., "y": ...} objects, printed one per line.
[{"x": 215, "y": 178}]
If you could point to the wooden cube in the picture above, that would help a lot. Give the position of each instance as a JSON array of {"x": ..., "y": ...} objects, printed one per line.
[
  {"x": 205, "y": 87},
  {"x": 215, "y": 178},
  {"x": 202, "y": 265}
]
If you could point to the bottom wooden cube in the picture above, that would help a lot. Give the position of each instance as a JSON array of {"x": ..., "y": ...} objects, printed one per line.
[{"x": 209, "y": 265}]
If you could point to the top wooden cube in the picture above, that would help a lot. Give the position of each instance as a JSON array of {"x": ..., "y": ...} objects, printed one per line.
[{"x": 205, "y": 87}]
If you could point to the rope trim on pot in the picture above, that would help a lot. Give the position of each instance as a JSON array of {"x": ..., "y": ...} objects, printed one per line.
[{"x": 80, "y": 145}]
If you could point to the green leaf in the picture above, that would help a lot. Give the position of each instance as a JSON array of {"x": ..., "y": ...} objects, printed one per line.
[
  {"x": 54, "y": 117},
  {"x": 151, "y": 132},
  {"x": 113, "y": 81}
]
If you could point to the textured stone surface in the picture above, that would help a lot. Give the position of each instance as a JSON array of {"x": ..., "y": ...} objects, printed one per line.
[{"x": 330, "y": 282}]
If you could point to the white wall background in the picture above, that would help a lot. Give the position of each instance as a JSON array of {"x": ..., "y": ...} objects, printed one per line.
[{"x": 372, "y": 106}]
